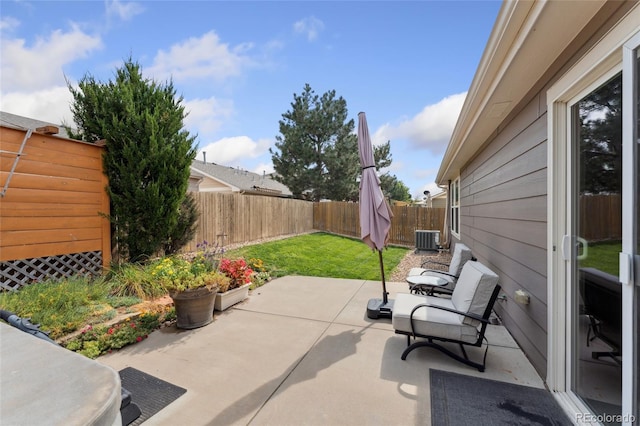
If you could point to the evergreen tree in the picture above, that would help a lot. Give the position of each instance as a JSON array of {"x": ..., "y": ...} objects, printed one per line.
[
  {"x": 393, "y": 188},
  {"x": 600, "y": 146},
  {"x": 317, "y": 150},
  {"x": 147, "y": 156}
]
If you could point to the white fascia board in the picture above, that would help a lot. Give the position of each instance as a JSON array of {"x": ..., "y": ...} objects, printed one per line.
[{"x": 527, "y": 38}]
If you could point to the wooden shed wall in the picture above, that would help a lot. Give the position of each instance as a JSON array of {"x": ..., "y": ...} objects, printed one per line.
[{"x": 55, "y": 198}]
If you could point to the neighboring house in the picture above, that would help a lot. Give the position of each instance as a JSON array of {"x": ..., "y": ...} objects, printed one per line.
[
  {"x": 211, "y": 177},
  {"x": 437, "y": 201},
  {"x": 536, "y": 171}
]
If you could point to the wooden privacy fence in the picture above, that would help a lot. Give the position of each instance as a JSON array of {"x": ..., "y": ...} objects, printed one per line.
[
  {"x": 344, "y": 218},
  {"x": 50, "y": 211},
  {"x": 229, "y": 218},
  {"x": 601, "y": 217}
]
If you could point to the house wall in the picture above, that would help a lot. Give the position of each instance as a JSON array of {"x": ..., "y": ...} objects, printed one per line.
[
  {"x": 210, "y": 185},
  {"x": 504, "y": 218},
  {"x": 504, "y": 199}
]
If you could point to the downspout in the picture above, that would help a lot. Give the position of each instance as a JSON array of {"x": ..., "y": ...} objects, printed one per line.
[
  {"x": 446, "y": 238},
  {"x": 15, "y": 162}
]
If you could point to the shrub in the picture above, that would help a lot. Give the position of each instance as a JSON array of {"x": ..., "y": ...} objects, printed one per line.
[{"x": 133, "y": 279}]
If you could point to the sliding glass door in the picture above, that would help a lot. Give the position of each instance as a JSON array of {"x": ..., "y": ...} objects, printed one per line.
[
  {"x": 602, "y": 246},
  {"x": 593, "y": 247}
]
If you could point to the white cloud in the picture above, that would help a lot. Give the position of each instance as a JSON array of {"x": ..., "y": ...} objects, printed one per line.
[
  {"x": 206, "y": 116},
  {"x": 50, "y": 105},
  {"x": 309, "y": 27},
  {"x": 430, "y": 129},
  {"x": 9, "y": 23},
  {"x": 205, "y": 57},
  {"x": 263, "y": 168},
  {"x": 40, "y": 66},
  {"x": 233, "y": 151},
  {"x": 123, "y": 11}
]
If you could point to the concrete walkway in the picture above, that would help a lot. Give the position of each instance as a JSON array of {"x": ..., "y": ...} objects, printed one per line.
[{"x": 301, "y": 351}]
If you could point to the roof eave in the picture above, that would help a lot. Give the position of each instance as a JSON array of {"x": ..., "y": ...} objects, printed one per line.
[{"x": 524, "y": 30}]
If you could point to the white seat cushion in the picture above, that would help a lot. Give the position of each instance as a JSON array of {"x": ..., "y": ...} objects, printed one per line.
[
  {"x": 461, "y": 255},
  {"x": 430, "y": 321},
  {"x": 473, "y": 290}
]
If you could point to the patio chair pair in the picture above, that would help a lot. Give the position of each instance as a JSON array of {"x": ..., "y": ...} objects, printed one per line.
[
  {"x": 461, "y": 255},
  {"x": 461, "y": 319}
]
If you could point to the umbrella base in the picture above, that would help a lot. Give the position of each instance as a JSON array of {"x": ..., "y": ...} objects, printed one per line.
[{"x": 376, "y": 308}]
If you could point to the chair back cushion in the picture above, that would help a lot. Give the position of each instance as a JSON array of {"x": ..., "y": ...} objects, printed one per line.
[
  {"x": 461, "y": 254},
  {"x": 473, "y": 290}
]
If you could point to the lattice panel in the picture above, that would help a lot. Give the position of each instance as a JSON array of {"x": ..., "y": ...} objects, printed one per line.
[{"x": 18, "y": 273}]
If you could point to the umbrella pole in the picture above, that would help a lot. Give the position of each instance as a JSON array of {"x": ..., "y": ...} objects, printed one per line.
[
  {"x": 380, "y": 308},
  {"x": 385, "y": 299}
]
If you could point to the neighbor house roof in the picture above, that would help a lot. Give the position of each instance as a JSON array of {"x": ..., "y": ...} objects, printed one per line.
[
  {"x": 526, "y": 40},
  {"x": 23, "y": 123},
  {"x": 239, "y": 180}
]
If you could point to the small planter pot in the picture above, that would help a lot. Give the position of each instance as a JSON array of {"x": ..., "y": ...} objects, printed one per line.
[
  {"x": 194, "y": 308},
  {"x": 231, "y": 297}
]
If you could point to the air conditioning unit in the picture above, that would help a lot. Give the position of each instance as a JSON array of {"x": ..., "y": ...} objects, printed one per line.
[{"x": 427, "y": 240}]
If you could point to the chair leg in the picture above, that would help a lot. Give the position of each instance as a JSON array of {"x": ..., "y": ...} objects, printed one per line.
[{"x": 464, "y": 360}]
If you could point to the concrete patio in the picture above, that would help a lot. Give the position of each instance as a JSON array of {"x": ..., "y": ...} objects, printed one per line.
[{"x": 301, "y": 350}]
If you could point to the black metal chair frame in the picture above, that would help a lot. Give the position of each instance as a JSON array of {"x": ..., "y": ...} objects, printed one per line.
[
  {"x": 484, "y": 319},
  {"x": 429, "y": 290},
  {"x": 602, "y": 299}
]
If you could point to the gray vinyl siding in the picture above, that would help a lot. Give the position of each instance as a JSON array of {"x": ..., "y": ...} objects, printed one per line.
[
  {"x": 504, "y": 221},
  {"x": 503, "y": 201}
]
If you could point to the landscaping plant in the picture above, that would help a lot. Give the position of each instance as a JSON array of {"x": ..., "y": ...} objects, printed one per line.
[
  {"x": 147, "y": 158},
  {"x": 93, "y": 341}
]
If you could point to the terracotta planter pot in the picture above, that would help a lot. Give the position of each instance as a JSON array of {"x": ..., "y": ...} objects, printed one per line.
[
  {"x": 229, "y": 298},
  {"x": 194, "y": 308}
]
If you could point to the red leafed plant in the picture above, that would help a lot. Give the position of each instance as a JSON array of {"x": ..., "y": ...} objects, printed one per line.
[{"x": 237, "y": 270}]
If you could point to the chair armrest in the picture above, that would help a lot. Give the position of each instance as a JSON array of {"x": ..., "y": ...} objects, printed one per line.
[
  {"x": 443, "y": 308},
  {"x": 426, "y": 271},
  {"x": 466, "y": 314},
  {"x": 433, "y": 262}
]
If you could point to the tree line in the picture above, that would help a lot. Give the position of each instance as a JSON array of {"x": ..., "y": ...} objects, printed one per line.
[{"x": 149, "y": 152}]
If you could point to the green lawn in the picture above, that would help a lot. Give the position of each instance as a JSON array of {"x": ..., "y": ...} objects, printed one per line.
[
  {"x": 322, "y": 255},
  {"x": 603, "y": 256}
]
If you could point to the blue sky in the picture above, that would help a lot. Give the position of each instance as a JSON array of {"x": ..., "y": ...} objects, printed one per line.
[{"x": 237, "y": 64}]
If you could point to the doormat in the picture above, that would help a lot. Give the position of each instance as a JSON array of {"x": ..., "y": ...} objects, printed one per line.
[
  {"x": 457, "y": 399},
  {"x": 149, "y": 393}
]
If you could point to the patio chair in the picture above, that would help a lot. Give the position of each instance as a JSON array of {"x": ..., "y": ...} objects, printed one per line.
[
  {"x": 461, "y": 255},
  {"x": 602, "y": 296},
  {"x": 462, "y": 319}
]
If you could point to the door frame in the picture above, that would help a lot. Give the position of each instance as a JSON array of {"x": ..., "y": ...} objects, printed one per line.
[
  {"x": 629, "y": 258},
  {"x": 598, "y": 65}
]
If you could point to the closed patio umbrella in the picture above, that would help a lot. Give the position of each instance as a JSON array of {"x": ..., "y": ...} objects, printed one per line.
[{"x": 375, "y": 215}]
